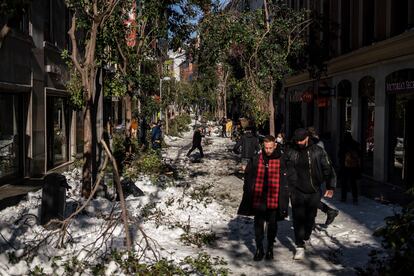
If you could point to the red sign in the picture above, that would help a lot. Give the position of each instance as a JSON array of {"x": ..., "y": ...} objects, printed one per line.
[
  {"x": 131, "y": 24},
  {"x": 323, "y": 102},
  {"x": 156, "y": 98},
  {"x": 307, "y": 96}
]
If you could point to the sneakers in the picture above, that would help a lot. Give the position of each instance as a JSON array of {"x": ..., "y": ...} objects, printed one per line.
[
  {"x": 330, "y": 216},
  {"x": 299, "y": 254},
  {"x": 258, "y": 256},
  {"x": 311, "y": 242}
]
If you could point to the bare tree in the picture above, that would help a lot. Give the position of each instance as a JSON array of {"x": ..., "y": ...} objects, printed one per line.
[{"x": 85, "y": 62}]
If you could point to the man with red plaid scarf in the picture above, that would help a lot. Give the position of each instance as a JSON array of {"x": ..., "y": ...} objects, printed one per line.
[{"x": 265, "y": 195}]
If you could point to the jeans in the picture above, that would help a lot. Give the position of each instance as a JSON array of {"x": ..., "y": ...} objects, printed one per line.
[
  {"x": 196, "y": 147},
  {"x": 349, "y": 178},
  {"x": 304, "y": 210},
  {"x": 260, "y": 218}
]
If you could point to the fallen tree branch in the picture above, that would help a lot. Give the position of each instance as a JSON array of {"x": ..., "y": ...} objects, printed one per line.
[
  {"x": 121, "y": 195},
  {"x": 66, "y": 222}
]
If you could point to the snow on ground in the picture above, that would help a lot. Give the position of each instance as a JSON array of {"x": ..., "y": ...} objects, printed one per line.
[{"x": 203, "y": 199}]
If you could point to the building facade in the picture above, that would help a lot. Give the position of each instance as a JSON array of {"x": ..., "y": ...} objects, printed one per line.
[
  {"x": 367, "y": 87},
  {"x": 39, "y": 131}
]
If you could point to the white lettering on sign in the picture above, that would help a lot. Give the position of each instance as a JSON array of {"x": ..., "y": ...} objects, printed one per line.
[
  {"x": 295, "y": 96},
  {"x": 404, "y": 85}
]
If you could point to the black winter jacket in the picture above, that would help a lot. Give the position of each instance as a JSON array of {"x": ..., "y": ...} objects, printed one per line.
[
  {"x": 246, "y": 205},
  {"x": 249, "y": 145},
  {"x": 197, "y": 137},
  {"x": 321, "y": 169}
]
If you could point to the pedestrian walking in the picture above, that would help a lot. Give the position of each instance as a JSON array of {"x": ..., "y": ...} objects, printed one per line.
[
  {"x": 331, "y": 213},
  {"x": 156, "y": 136},
  {"x": 209, "y": 129},
  {"x": 265, "y": 195},
  {"x": 280, "y": 138},
  {"x": 134, "y": 128},
  {"x": 143, "y": 127},
  {"x": 350, "y": 166},
  {"x": 308, "y": 167},
  {"x": 197, "y": 138},
  {"x": 229, "y": 127},
  {"x": 248, "y": 145},
  {"x": 222, "y": 123}
]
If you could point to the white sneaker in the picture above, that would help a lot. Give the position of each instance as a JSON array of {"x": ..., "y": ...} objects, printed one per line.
[
  {"x": 299, "y": 254},
  {"x": 312, "y": 242}
]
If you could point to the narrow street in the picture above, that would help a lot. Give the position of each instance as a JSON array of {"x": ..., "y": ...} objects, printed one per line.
[
  {"x": 96, "y": 98},
  {"x": 337, "y": 249},
  {"x": 184, "y": 216}
]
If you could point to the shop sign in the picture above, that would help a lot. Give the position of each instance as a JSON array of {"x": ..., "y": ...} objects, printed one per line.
[
  {"x": 307, "y": 96},
  {"x": 401, "y": 81},
  {"x": 156, "y": 98},
  {"x": 295, "y": 96},
  {"x": 131, "y": 25},
  {"x": 397, "y": 86},
  {"x": 323, "y": 102}
]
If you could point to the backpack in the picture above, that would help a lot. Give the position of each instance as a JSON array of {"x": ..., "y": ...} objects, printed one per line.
[{"x": 352, "y": 159}]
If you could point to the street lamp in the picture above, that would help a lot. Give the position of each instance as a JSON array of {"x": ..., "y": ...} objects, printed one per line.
[{"x": 161, "y": 80}]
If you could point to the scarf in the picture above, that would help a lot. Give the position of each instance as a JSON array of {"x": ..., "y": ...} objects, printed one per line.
[{"x": 272, "y": 198}]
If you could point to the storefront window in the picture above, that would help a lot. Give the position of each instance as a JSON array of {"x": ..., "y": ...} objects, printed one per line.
[
  {"x": 397, "y": 145},
  {"x": 10, "y": 135},
  {"x": 57, "y": 135},
  {"x": 400, "y": 89}
]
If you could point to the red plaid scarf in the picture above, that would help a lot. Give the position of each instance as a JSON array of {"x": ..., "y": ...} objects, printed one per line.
[{"x": 272, "y": 182}]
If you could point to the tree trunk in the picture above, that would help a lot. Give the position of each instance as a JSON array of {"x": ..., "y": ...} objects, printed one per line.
[
  {"x": 225, "y": 102},
  {"x": 5, "y": 29},
  {"x": 88, "y": 72},
  {"x": 226, "y": 75},
  {"x": 128, "y": 113},
  {"x": 271, "y": 105},
  {"x": 87, "y": 151},
  {"x": 166, "y": 120},
  {"x": 89, "y": 80},
  {"x": 271, "y": 111},
  {"x": 219, "y": 112}
]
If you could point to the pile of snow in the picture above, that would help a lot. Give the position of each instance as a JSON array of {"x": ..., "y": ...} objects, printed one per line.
[{"x": 171, "y": 208}]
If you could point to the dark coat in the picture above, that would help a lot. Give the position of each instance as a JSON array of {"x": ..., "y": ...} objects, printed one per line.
[
  {"x": 197, "y": 138},
  {"x": 156, "y": 134},
  {"x": 346, "y": 146},
  {"x": 143, "y": 127},
  {"x": 249, "y": 145},
  {"x": 246, "y": 205},
  {"x": 321, "y": 167}
]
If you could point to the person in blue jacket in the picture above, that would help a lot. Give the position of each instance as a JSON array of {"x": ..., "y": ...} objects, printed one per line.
[{"x": 156, "y": 136}]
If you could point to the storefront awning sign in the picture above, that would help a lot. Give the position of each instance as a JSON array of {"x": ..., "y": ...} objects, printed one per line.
[
  {"x": 398, "y": 86},
  {"x": 401, "y": 81}
]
